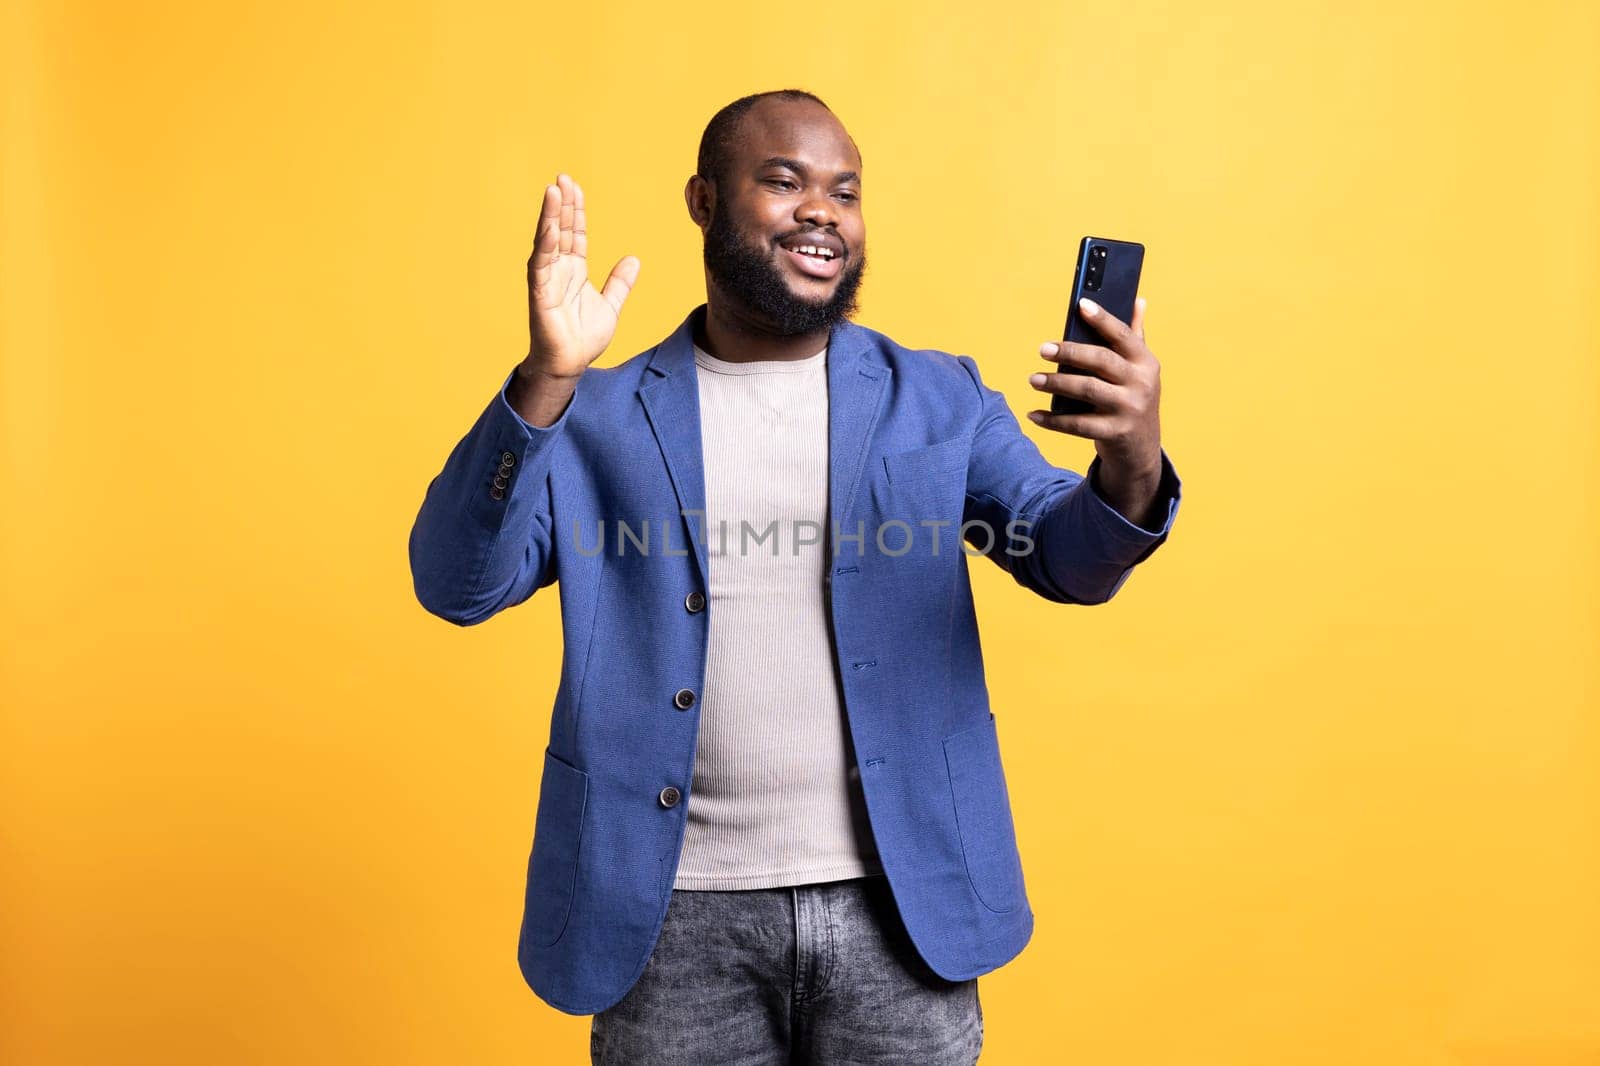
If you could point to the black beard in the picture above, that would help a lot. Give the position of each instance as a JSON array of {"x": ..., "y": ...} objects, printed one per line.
[{"x": 751, "y": 276}]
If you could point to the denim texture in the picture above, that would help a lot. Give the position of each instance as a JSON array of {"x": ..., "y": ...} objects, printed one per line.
[{"x": 820, "y": 973}]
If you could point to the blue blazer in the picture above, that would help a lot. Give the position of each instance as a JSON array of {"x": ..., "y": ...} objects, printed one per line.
[{"x": 918, "y": 445}]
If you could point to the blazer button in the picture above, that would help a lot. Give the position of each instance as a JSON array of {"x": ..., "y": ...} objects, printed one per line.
[
  {"x": 684, "y": 699},
  {"x": 507, "y": 459},
  {"x": 695, "y": 601},
  {"x": 497, "y": 494},
  {"x": 669, "y": 796},
  {"x": 499, "y": 481}
]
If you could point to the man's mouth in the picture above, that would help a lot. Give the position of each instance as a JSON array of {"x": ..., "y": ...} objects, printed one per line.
[{"x": 812, "y": 260}]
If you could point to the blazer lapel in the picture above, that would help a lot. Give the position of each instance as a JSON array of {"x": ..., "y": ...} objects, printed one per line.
[
  {"x": 671, "y": 397},
  {"x": 856, "y": 387}
]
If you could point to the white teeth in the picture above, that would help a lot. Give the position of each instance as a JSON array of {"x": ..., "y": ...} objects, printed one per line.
[{"x": 808, "y": 249}]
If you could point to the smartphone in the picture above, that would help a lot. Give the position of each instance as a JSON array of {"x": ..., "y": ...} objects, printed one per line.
[{"x": 1108, "y": 274}]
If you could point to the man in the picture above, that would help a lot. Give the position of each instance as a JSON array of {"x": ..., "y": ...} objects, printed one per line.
[{"x": 772, "y": 822}]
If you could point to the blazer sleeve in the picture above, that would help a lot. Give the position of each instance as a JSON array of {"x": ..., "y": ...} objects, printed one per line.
[
  {"x": 1047, "y": 526},
  {"x": 474, "y": 550}
]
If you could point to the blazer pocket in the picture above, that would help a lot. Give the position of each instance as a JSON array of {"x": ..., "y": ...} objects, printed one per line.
[
  {"x": 553, "y": 864},
  {"x": 983, "y": 816},
  {"x": 943, "y": 461}
]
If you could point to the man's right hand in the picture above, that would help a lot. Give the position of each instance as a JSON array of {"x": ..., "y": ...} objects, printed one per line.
[{"x": 570, "y": 323}]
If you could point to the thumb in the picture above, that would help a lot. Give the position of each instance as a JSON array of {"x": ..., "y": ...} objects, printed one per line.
[{"x": 623, "y": 277}]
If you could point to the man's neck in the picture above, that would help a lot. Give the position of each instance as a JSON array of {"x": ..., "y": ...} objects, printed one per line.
[{"x": 733, "y": 336}]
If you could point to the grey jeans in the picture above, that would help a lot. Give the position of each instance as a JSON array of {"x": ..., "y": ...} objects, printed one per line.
[{"x": 820, "y": 974}]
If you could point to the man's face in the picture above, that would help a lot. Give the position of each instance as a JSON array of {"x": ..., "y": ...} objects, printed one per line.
[{"x": 794, "y": 181}]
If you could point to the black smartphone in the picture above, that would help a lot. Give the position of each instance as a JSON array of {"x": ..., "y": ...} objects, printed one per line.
[{"x": 1108, "y": 274}]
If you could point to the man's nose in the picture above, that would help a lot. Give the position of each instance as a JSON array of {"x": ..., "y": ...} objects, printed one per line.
[{"x": 818, "y": 210}]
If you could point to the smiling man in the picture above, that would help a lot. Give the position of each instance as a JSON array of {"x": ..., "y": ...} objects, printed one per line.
[{"x": 773, "y": 823}]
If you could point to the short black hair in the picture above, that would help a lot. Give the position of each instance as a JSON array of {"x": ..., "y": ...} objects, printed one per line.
[{"x": 716, "y": 144}]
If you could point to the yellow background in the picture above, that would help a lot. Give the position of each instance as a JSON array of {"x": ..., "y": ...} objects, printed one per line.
[{"x": 1321, "y": 786}]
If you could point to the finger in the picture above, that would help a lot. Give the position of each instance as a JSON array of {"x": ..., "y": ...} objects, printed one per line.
[
  {"x": 547, "y": 238},
  {"x": 1102, "y": 362},
  {"x": 567, "y": 208},
  {"x": 1091, "y": 390},
  {"x": 1118, "y": 336},
  {"x": 623, "y": 277},
  {"x": 1137, "y": 325},
  {"x": 1094, "y": 426},
  {"x": 580, "y": 237}
]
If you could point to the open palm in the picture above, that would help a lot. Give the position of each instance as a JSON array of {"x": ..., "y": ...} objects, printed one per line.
[{"x": 569, "y": 322}]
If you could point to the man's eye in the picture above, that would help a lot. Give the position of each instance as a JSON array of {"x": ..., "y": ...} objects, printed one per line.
[
  {"x": 849, "y": 197},
  {"x": 781, "y": 181}
]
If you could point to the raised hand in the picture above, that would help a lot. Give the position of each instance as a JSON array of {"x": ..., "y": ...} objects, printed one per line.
[{"x": 569, "y": 322}]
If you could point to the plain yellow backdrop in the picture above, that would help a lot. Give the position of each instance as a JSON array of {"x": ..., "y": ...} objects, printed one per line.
[{"x": 1322, "y": 784}]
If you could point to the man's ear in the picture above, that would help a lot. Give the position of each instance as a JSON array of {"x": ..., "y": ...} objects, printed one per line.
[{"x": 699, "y": 196}]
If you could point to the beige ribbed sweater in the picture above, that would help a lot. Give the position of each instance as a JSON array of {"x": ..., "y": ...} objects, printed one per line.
[{"x": 776, "y": 797}]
